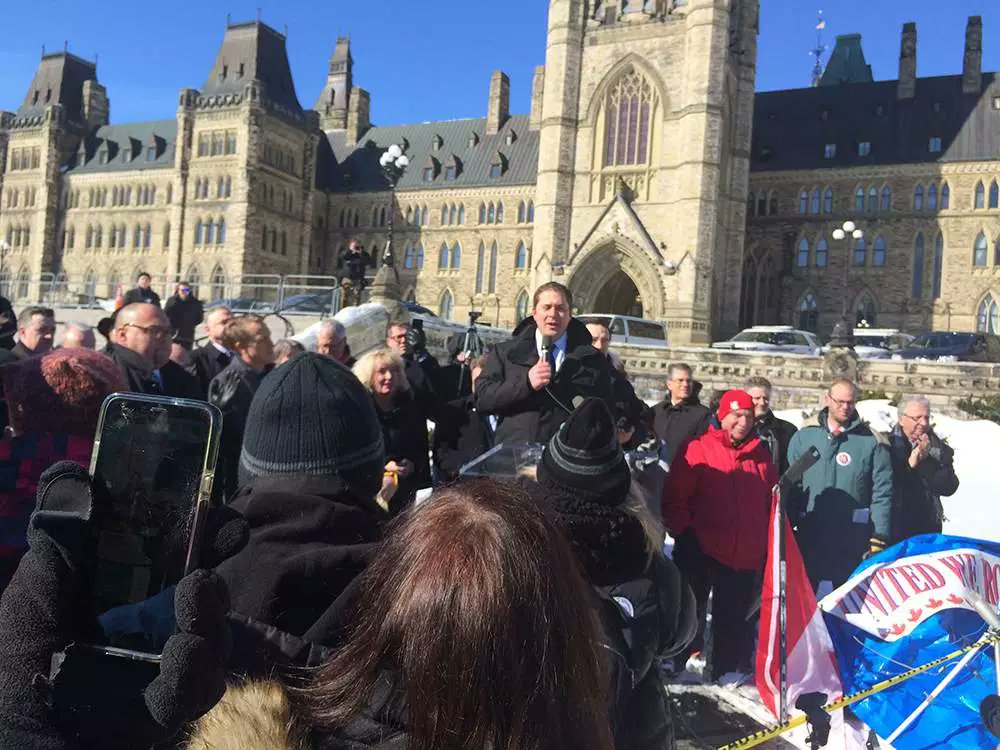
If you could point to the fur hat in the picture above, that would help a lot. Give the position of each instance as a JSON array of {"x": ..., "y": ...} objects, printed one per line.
[{"x": 60, "y": 392}]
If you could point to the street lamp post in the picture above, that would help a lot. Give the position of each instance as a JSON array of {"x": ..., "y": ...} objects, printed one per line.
[
  {"x": 843, "y": 330},
  {"x": 393, "y": 162}
]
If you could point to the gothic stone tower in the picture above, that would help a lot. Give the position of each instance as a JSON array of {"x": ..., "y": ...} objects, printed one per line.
[{"x": 643, "y": 166}]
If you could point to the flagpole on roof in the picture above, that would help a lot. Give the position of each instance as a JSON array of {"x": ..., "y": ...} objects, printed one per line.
[{"x": 818, "y": 50}]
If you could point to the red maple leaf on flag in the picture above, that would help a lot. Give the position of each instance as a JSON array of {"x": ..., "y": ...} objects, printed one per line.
[
  {"x": 956, "y": 599},
  {"x": 915, "y": 615},
  {"x": 933, "y": 603},
  {"x": 898, "y": 629}
]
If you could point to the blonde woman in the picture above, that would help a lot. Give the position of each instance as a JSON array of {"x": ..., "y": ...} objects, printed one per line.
[{"x": 404, "y": 427}]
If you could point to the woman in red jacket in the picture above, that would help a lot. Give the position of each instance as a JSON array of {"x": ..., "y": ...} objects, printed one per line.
[{"x": 716, "y": 502}]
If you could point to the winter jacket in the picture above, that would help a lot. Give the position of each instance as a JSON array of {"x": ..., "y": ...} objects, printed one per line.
[
  {"x": 9, "y": 326},
  {"x": 460, "y": 434},
  {"x": 629, "y": 408},
  {"x": 21, "y": 352},
  {"x": 232, "y": 391},
  {"x": 917, "y": 493},
  {"x": 22, "y": 461},
  {"x": 138, "y": 294},
  {"x": 209, "y": 362},
  {"x": 404, "y": 431},
  {"x": 184, "y": 315},
  {"x": 529, "y": 416},
  {"x": 678, "y": 424},
  {"x": 776, "y": 434},
  {"x": 723, "y": 494},
  {"x": 844, "y": 500},
  {"x": 138, "y": 372},
  {"x": 310, "y": 538}
]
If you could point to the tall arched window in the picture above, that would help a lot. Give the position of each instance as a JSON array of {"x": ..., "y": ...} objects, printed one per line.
[
  {"x": 802, "y": 256},
  {"x": 938, "y": 264},
  {"x": 210, "y": 232},
  {"x": 860, "y": 256},
  {"x": 199, "y": 234},
  {"x": 822, "y": 253},
  {"x": 980, "y": 249},
  {"x": 114, "y": 279},
  {"x": 945, "y": 195},
  {"x": 193, "y": 279},
  {"x": 988, "y": 315},
  {"x": 90, "y": 283},
  {"x": 218, "y": 283},
  {"x": 804, "y": 202},
  {"x": 807, "y": 313},
  {"x": 932, "y": 197},
  {"x": 494, "y": 259},
  {"x": 420, "y": 255},
  {"x": 772, "y": 204},
  {"x": 500, "y": 212},
  {"x": 762, "y": 204},
  {"x": 872, "y": 199},
  {"x": 452, "y": 214},
  {"x": 629, "y": 106},
  {"x": 446, "y": 304},
  {"x": 443, "y": 256},
  {"x": 521, "y": 305},
  {"x": 918, "y": 198},
  {"x": 859, "y": 200},
  {"x": 865, "y": 313},
  {"x": 461, "y": 213},
  {"x": 520, "y": 212},
  {"x": 814, "y": 205},
  {"x": 996, "y": 252},
  {"x": 994, "y": 195},
  {"x": 980, "y": 197},
  {"x": 917, "y": 285},
  {"x": 521, "y": 256},
  {"x": 878, "y": 251},
  {"x": 491, "y": 214},
  {"x": 828, "y": 201},
  {"x": 480, "y": 267},
  {"x": 423, "y": 217},
  {"x": 886, "y": 200},
  {"x": 482, "y": 213},
  {"x": 221, "y": 232},
  {"x": 408, "y": 256}
]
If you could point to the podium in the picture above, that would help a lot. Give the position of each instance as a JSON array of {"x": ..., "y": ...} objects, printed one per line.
[{"x": 505, "y": 461}]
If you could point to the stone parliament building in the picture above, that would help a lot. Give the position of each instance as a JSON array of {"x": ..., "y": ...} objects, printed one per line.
[{"x": 648, "y": 176}]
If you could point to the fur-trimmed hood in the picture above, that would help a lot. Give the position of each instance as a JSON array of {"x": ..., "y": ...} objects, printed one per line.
[{"x": 252, "y": 716}]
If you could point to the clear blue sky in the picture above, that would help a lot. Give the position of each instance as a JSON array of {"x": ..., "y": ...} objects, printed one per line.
[{"x": 425, "y": 60}]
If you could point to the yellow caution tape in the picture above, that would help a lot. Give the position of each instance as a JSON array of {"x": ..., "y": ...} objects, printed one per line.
[{"x": 757, "y": 738}]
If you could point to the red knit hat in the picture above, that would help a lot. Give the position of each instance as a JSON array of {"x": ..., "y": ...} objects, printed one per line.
[
  {"x": 60, "y": 392},
  {"x": 734, "y": 401}
]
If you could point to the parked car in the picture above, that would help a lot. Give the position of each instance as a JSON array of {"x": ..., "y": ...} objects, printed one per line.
[
  {"x": 419, "y": 310},
  {"x": 318, "y": 302},
  {"x": 966, "y": 347},
  {"x": 783, "y": 339},
  {"x": 877, "y": 343},
  {"x": 236, "y": 304},
  {"x": 630, "y": 331}
]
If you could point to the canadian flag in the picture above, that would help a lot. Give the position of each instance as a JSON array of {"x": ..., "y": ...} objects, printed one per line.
[{"x": 812, "y": 665}]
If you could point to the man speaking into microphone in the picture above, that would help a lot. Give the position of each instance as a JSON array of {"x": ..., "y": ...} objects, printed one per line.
[{"x": 531, "y": 381}]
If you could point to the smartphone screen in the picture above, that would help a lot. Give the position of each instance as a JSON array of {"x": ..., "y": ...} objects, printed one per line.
[{"x": 152, "y": 467}]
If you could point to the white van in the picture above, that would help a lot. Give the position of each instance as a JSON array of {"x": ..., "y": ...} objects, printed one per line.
[{"x": 629, "y": 331}]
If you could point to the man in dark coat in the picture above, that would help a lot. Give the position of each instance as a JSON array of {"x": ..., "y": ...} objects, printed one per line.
[
  {"x": 680, "y": 417},
  {"x": 355, "y": 262},
  {"x": 410, "y": 344},
  {"x": 776, "y": 433},
  {"x": 185, "y": 312},
  {"x": 631, "y": 413},
  {"x": 923, "y": 471},
  {"x": 142, "y": 291},
  {"x": 140, "y": 346},
  {"x": 461, "y": 432},
  {"x": 212, "y": 358},
  {"x": 36, "y": 332},
  {"x": 531, "y": 381}
]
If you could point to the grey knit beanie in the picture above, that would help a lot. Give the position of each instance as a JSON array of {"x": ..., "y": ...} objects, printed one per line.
[{"x": 312, "y": 416}]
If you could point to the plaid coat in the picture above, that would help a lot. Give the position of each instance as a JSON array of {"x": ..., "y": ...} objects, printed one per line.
[{"x": 22, "y": 460}]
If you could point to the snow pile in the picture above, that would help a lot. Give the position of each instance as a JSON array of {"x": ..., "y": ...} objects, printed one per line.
[{"x": 972, "y": 511}]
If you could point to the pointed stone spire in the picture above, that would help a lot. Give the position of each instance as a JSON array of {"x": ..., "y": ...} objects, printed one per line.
[{"x": 334, "y": 101}]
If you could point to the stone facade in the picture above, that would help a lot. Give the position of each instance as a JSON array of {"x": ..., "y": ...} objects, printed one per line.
[{"x": 626, "y": 179}]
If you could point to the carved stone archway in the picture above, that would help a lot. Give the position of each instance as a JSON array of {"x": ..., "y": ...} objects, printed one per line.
[{"x": 597, "y": 277}]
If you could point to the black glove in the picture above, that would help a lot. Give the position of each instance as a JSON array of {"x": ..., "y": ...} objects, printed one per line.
[
  {"x": 416, "y": 341},
  {"x": 687, "y": 552},
  {"x": 92, "y": 699}
]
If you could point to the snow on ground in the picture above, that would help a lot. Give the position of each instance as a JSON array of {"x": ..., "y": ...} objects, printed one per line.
[{"x": 972, "y": 511}]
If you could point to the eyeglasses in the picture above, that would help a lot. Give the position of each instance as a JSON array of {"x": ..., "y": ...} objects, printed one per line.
[
  {"x": 919, "y": 418},
  {"x": 156, "y": 332},
  {"x": 844, "y": 403},
  {"x": 185, "y": 289}
]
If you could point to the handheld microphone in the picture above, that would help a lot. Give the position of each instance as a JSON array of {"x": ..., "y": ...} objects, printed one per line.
[
  {"x": 800, "y": 467},
  {"x": 546, "y": 346}
]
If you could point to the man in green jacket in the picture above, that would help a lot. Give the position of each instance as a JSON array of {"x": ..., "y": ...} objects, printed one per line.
[{"x": 843, "y": 508}]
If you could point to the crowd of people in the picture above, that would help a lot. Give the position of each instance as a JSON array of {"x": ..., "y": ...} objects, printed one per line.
[{"x": 335, "y": 611}]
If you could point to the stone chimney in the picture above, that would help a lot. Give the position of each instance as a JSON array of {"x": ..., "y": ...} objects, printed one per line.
[
  {"x": 96, "y": 107},
  {"x": 972, "y": 64},
  {"x": 537, "y": 91},
  {"x": 907, "y": 85},
  {"x": 358, "y": 115},
  {"x": 499, "y": 108}
]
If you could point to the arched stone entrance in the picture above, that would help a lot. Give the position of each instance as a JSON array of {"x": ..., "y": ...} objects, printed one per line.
[
  {"x": 617, "y": 278},
  {"x": 619, "y": 296}
]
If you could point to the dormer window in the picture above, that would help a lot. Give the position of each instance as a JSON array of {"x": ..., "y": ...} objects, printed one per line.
[
  {"x": 934, "y": 145},
  {"x": 511, "y": 137},
  {"x": 498, "y": 166},
  {"x": 34, "y": 99},
  {"x": 450, "y": 173},
  {"x": 829, "y": 150},
  {"x": 452, "y": 167},
  {"x": 151, "y": 153},
  {"x": 473, "y": 140},
  {"x": 102, "y": 156},
  {"x": 430, "y": 169},
  {"x": 864, "y": 148},
  {"x": 437, "y": 143},
  {"x": 428, "y": 174}
]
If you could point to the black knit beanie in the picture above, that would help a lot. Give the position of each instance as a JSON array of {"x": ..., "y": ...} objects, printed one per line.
[
  {"x": 312, "y": 416},
  {"x": 584, "y": 457}
]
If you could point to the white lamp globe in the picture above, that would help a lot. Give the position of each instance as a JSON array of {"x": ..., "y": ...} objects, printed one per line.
[
  {"x": 384, "y": 160},
  {"x": 857, "y": 234},
  {"x": 849, "y": 226},
  {"x": 395, "y": 151},
  {"x": 838, "y": 234},
  {"x": 402, "y": 162}
]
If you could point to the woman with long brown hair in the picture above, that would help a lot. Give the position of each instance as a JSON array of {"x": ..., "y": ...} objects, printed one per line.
[{"x": 474, "y": 632}]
